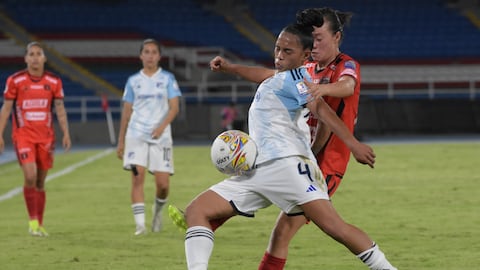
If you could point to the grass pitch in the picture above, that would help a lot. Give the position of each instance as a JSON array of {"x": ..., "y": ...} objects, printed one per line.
[{"x": 420, "y": 203}]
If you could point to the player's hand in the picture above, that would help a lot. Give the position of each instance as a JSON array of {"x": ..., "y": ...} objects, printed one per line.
[
  {"x": 314, "y": 89},
  {"x": 66, "y": 143},
  {"x": 364, "y": 154},
  {"x": 120, "y": 149},
  {"x": 2, "y": 144},
  {"x": 218, "y": 64}
]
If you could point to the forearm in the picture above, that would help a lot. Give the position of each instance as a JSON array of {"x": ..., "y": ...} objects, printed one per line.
[
  {"x": 4, "y": 114},
  {"x": 334, "y": 123},
  {"x": 251, "y": 73}
]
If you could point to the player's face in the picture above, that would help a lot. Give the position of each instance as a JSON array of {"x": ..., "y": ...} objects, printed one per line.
[
  {"x": 35, "y": 58},
  {"x": 150, "y": 56},
  {"x": 289, "y": 52},
  {"x": 325, "y": 44}
]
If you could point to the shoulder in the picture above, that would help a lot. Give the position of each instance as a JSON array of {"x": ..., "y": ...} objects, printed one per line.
[
  {"x": 297, "y": 74},
  {"x": 135, "y": 76},
  {"x": 18, "y": 76},
  {"x": 51, "y": 77},
  {"x": 166, "y": 73},
  {"x": 347, "y": 62}
]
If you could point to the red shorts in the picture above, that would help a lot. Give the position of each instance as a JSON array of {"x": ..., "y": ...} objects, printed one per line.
[
  {"x": 333, "y": 182},
  {"x": 40, "y": 153}
]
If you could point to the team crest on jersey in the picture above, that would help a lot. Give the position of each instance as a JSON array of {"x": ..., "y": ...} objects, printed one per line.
[
  {"x": 159, "y": 85},
  {"x": 47, "y": 87}
]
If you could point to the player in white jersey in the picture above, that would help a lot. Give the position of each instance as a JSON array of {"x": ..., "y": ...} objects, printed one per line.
[
  {"x": 287, "y": 174},
  {"x": 151, "y": 102}
]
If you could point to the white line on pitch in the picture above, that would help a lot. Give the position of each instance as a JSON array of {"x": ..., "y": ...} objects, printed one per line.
[{"x": 65, "y": 171}]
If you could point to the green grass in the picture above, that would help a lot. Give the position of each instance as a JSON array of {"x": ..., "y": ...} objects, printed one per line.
[{"x": 420, "y": 203}]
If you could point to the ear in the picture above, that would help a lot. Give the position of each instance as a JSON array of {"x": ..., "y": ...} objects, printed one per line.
[{"x": 307, "y": 54}]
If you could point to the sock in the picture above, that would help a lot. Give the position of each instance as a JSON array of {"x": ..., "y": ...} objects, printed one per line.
[
  {"x": 41, "y": 201},
  {"x": 217, "y": 223},
  {"x": 198, "y": 247},
  {"x": 375, "y": 259},
  {"x": 159, "y": 203},
  {"x": 270, "y": 262},
  {"x": 30, "y": 196},
  {"x": 139, "y": 214}
]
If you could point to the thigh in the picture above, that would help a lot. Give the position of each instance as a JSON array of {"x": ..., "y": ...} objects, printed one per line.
[
  {"x": 292, "y": 181},
  {"x": 240, "y": 192},
  {"x": 160, "y": 158},
  {"x": 136, "y": 153},
  {"x": 44, "y": 155},
  {"x": 25, "y": 150}
]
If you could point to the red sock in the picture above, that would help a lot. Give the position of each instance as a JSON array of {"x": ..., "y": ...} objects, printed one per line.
[
  {"x": 270, "y": 262},
  {"x": 41, "y": 200},
  {"x": 30, "y": 196},
  {"x": 217, "y": 223}
]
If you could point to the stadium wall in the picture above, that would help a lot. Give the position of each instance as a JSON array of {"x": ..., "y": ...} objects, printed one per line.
[{"x": 376, "y": 117}]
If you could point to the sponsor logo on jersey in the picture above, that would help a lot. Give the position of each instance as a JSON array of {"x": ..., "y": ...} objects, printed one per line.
[
  {"x": 35, "y": 116},
  {"x": 37, "y": 87},
  {"x": 35, "y": 103}
]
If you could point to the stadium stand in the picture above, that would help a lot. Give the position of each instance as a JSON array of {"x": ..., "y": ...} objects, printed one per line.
[{"x": 408, "y": 49}]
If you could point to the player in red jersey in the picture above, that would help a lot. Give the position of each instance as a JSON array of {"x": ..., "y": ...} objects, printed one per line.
[
  {"x": 32, "y": 94},
  {"x": 336, "y": 78}
]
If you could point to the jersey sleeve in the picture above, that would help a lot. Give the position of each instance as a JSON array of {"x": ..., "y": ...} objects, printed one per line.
[
  {"x": 350, "y": 68},
  {"x": 10, "y": 91},
  {"x": 128, "y": 94},
  {"x": 58, "y": 92},
  {"x": 173, "y": 88},
  {"x": 301, "y": 88}
]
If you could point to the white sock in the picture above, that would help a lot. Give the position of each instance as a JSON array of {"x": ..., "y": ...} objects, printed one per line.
[
  {"x": 139, "y": 214},
  {"x": 375, "y": 259},
  {"x": 198, "y": 247}
]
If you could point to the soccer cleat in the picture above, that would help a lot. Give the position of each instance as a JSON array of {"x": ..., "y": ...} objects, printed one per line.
[
  {"x": 34, "y": 228},
  {"x": 178, "y": 217},
  {"x": 42, "y": 231},
  {"x": 157, "y": 219},
  {"x": 140, "y": 230}
]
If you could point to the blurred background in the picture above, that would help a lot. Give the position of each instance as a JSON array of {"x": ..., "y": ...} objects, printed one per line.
[{"x": 420, "y": 59}]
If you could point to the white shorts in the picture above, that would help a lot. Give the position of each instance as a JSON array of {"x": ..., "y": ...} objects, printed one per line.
[
  {"x": 154, "y": 156},
  {"x": 287, "y": 183}
]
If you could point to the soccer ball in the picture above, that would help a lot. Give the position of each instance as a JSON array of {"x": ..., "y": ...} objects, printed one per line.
[{"x": 233, "y": 152}]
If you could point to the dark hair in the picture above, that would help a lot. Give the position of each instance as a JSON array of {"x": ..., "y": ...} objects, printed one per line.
[
  {"x": 153, "y": 41},
  {"x": 317, "y": 16},
  {"x": 31, "y": 44},
  {"x": 303, "y": 33}
]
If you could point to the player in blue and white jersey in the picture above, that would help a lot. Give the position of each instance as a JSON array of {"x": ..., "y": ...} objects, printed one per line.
[
  {"x": 150, "y": 104},
  {"x": 287, "y": 174}
]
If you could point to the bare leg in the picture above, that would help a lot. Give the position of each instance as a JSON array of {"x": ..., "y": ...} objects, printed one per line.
[{"x": 285, "y": 228}]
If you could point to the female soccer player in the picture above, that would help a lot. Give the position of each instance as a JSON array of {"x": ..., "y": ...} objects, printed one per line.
[
  {"x": 33, "y": 92},
  {"x": 151, "y": 103},
  {"x": 285, "y": 159}
]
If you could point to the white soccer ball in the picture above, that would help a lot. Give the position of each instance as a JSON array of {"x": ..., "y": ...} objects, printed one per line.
[{"x": 233, "y": 152}]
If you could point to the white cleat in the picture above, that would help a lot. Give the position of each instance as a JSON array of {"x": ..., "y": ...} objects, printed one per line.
[{"x": 140, "y": 230}]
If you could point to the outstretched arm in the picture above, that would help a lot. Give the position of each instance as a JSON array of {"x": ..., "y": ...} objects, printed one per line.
[
  {"x": 363, "y": 153},
  {"x": 250, "y": 73}
]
